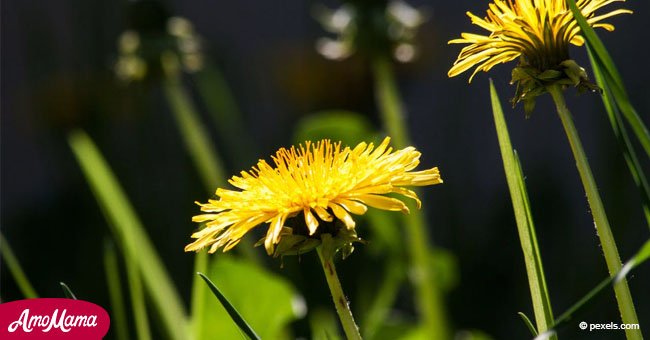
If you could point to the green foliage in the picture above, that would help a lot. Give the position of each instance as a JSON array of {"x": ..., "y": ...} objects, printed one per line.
[
  {"x": 639, "y": 258},
  {"x": 620, "y": 131},
  {"x": 113, "y": 281},
  {"x": 528, "y": 323},
  {"x": 523, "y": 216},
  {"x": 348, "y": 127},
  {"x": 16, "y": 270},
  {"x": 266, "y": 301},
  {"x": 324, "y": 324},
  {"x": 617, "y": 104},
  {"x": 67, "y": 292},
  {"x": 232, "y": 312},
  {"x": 611, "y": 77},
  {"x": 130, "y": 235}
]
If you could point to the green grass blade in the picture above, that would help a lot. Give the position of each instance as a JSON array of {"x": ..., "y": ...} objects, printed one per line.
[
  {"x": 195, "y": 136},
  {"x": 377, "y": 312},
  {"x": 130, "y": 235},
  {"x": 639, "y": 258},
  {"x": 612, "y": 76},
  {"x": 204, "y": 155},
  {"x": 236, "y": 317},
  {"x": 428, "y": 298},
  {"x": 138, "y": 304},
  {"x": 67, "y": 291},
  {"x": 113, "y": 281},
  {"x": 527, "y": 236},
  {"x": 199, "y": 292},
  {"x": 324, "y": 324},
  {"x": 220, "y": 103},
  {"x": 528, "y": 323},
  {"x": 16, "y": 270},
  {"x": 621, "y": 134}
]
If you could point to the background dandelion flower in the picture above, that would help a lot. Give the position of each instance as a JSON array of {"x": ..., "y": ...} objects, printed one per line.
[
  {"x": 538, "y": 30},
  {"x": 321, "y": 182}
]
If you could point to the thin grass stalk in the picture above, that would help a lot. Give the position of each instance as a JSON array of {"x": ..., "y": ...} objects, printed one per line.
[
  {"x": 113, "y": 281},
  {"x": 129, "y": 232},
  {"x": 608, "y": 244},
  {"x": 612, "y": 76},
  {"x": 67, "y": 292},
  {"x": 620, "y": 131},
  {"x": 194, "y": 135},
  {"x": 523, "y": 216},
  {"x": 199, "y": 294},
  {"x": 16, "y": 270},
  {"x": 340, "y": 301},
  {"x": 136, "y": 292},
  {"x": 428, "y": 299},
  {"x": 639, "y": 258},
  {"x": 207, "y": 161},
  {"x": 384, "y": 298},
  {"x": 223, "y": 109}
]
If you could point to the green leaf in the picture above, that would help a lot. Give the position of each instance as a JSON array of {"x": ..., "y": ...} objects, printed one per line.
[
  {"x": 384, "y": 297},
  {"x": 612, "y": 77},
  {"x": 639, "y": 258},
  {"x": 528, "y": 323},
  {"x": 324, "y": 324},
  {"x": 620, "y": 131},
  {"x": 222, "y": 107},
  {"x": 266, "y": 301},
  {"x": 444, "y": 269},
  {"x": 67, "y": 292},
  {"x": 348, "y": 127},
  {"x": 232, "y": 312},
  {"x": 130, "y": 235},
  {"x": 16, "y": 270},
  {"x": 138, "y": 304},
  {"x": 525, "y": 226},
  {"x": 113, "y": 281},
  {"x": 195, "y": 136}
]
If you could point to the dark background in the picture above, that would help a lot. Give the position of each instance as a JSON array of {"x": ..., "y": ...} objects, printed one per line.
[{"x": 57, "y": 59}]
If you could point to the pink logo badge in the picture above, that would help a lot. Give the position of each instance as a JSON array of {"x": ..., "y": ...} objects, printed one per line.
[{"x": 50, "y": 318}]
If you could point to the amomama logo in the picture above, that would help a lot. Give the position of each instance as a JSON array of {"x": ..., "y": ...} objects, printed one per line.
[{"x": 52, "y": 319}]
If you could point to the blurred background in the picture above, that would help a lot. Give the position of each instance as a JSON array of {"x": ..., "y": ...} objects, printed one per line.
[{"x": 59, "y": 73}]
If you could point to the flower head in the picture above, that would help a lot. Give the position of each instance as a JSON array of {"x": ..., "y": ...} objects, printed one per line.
[
  {"x": 540, "y": 31},
  {"x": 312, "y": 190},
  {"x": 147, "y": 53},
  {"x": 386, "y": 27}
]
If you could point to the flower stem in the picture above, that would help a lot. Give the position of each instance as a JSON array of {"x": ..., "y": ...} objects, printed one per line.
[
  {"x": 610, "y": 251},
  {"x": 389, "y": 102},
  {"x": 16, "y": 270},
  {"x": 428, "y": 299},
  {"x": 342, "y": 308}
]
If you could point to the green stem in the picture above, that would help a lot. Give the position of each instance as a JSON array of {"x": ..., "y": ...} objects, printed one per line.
[
  {"x": 384, "y": 298},
  {"x": 342, "y": 307},
  {"x": 220, "y": 102},
  {"x": 389, "y": 102},
  {"x": 197, "y": 141},
  {"x": 138, "y": 304},
  {"x": 428, "y": 299},
  {"x": 623, "y": 295},
  {"x": 118, "y": 312},
  {"x": 204, "y": 155},
  {"x": 16, "y": 271},
  {"x": 199, "y": 291}
]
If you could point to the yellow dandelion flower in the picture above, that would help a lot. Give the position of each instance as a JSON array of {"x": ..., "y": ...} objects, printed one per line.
[
  {"x": 320, "y": 182},
  {"x": 540, "y": 31}
]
